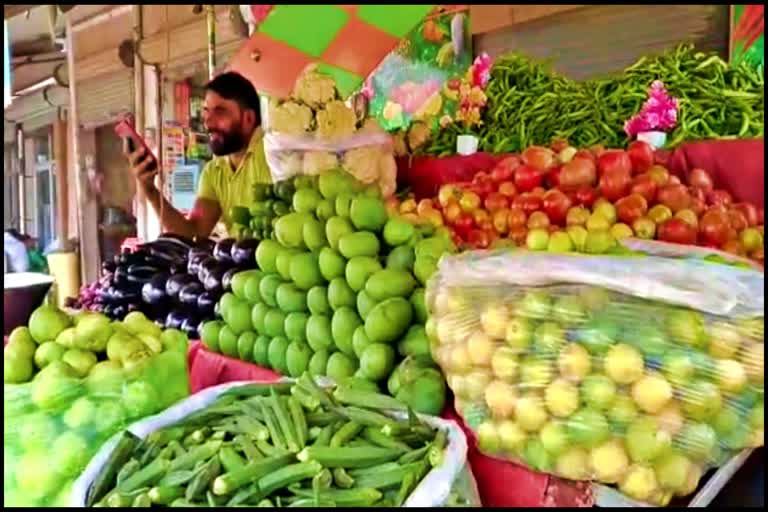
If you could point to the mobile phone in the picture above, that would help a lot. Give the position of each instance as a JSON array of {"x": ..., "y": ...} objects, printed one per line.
[{"x": 124, "y": 128}]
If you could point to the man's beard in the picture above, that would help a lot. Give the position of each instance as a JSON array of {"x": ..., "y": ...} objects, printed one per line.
[{"x": 227, "y": 143}]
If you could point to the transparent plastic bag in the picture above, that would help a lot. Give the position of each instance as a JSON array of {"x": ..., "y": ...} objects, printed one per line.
[
  {"x": 447, "y": 484},
  {"x": 637, "y": 371},
  {"x": 52, "y": 426}
]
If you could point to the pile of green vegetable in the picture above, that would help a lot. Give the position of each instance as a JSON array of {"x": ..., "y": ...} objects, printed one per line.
[
  {"x": 258, "y": 219},
  {"x": 272, "y": 445},
  {"x": 529, "y": 104},
  {"x": 338, "y": 292}
]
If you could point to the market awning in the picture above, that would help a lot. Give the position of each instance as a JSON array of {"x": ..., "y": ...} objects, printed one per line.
[{"x": 346, "y": 41}]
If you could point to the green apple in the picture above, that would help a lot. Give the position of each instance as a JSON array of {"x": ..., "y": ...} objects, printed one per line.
[
  {"x": 488, "y": 439},
  {"x": 697, "y": 441},
  {"x": 519, "y": 333},
  {"x": 622, "y": 411},
  {"x": 686, "y": 326},
  {"x": 588, "y": 428},
  {"x": 560, "y": 241},
  {"x": 598, "y": 391},
  {"x": 549, "y": 337},
  {"x": 701, "y": 400},
  {"x": 678, "y": 367},
  {"x": 599, "y": 241},
  {"x": 568, "y": 310},
  {"x": 724, "y": 340},
  {"x": 648, "y": 338},
  {"x": 598, "y": 335},
  {"x": 536, "y": 304},
  {"x": 537, "y": 240},
  {"x": 536, "y": 456},
  {"x": 554, "y": 438},
  {"x": 672, "y": 471},
  {"x": 578, "y": 236},
  {"x": 645, "y": 441}
]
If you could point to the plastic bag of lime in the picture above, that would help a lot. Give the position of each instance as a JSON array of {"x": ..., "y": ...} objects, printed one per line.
[
  {"x": 641, "y": 372},
  {"x": 71, "y": 382}
]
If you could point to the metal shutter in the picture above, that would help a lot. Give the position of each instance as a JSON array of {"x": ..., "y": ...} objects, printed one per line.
[
  {"x": 102, "y": 99},
  {"x": 37, "y": 109},
  {"x": 600, "y": 39}
]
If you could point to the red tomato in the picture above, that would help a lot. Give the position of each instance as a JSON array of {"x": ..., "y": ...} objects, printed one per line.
[
  {"x": 641, "y": 156},
  {"x": 586, "y": 196},
  {"x": 677, "y": 231},
  {"x": 470, "y": 201},
  {"x": 516, "y": 218},
  {"x": 464, "y": 224},
  {"x": 528, "y": 202},
  {"x": 734, "y": 247},
  {"x": 553, "y": 177},
  {"x": 645, "y": 186},
  {"x": 500, "y": 221},
  {"x": 700, "y": 178},
  {"x": 738, "y": 220},
  {"x": 614, "y": 160},
  {"x": 500, "y": 174},
  {"x": 714, "y": 227},
  {"x": 760, "y": 216},
  {"x": 586, "y": 154},
  {"x": 719, "y": 197},
  {"x": 452, "y": 211},
  {"x": 749, "y": 211},
  {"x": 631, "y": 208},
  {"x": 615, "y": 183},
  {"x": 676, "y": 197},
  {"x": 539, "y": 158},
  {"x": 508, "y": 189},
  {"x": 478, "y": 238},
  {"x": 539, "y": 192},
  {"x": 659, "y": 174},
  {"x": 481, "y": 177},
  {"x": 758, "y": 255},
  {"x": 698, "y": 193},
  {"x": 527, "y": 178},
  {"x": 483, "y": 188},
  {"x": 698, "y": 206},
  {"x": 556, "y": 205},
  {"x": 577, "y": 173},
  {"x": 495, "y": 201},
  {"x": 559, "y": 144},
  {"x": 510, "y": 163},
  {"x": 480, "y": 216}
]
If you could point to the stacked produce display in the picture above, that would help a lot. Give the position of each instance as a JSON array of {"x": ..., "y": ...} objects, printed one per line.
[
  {"x": 72, "y": 382},
  {"x": 562, "y": 199},
  {"x": 339, "y": 292},
  {"x": 287, "y": 444},
  {"x": 604, "y": 368},
  {"x": 529, "y": 105}
]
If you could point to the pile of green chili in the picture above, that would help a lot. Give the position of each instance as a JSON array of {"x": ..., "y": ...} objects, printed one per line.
[{"x": 529, "y": 104}]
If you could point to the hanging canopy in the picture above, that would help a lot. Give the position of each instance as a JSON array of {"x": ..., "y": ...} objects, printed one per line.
[{"x": 347, "y": 42}]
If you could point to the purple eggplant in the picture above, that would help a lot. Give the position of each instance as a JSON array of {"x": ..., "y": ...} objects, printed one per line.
[
  {"x": 154, "y": 292},
  {"x": 189, "y": 294},
  {"x": 189, "y": 327},
  {"x": 212, "y": 282},
  {"x": 206, "y": 266},
  {"x": 206, "y": 303},
  {"x": 223, "y": 250},
  {"x": 174, "y": 319},
  {"x": 206, "y": 245},
  {"x": 175, "y": 283},
  {"x": 244, "y": 252}
]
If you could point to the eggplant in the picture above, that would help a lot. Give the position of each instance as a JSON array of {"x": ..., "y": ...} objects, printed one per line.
[
  {"x": 206, "y": 303},
  {"x": 213, "y": 280},
  {"x": 208, "y": 264},
  {"x": 153, "y": 292},
  {"x": 124, "y": 296},
  {"x": 108, "y": 266},
  {"x": 189, "y": 294},
  {"x": 141, "y": 273},
  {"x": 244, "y": 252},
  {"x": 168, "y": 252},
  {"x": 206, "y": 245},
  {"x": 120, "y": 277},
  {"x": 177, "y": 239},
  {"x": 223, "y": 250},
  {"x": 189, "y": 327},
  {"x": 174, "y": 319},
  {"x": 120, "y": 311},
  {"x": 176, "y": 283}
]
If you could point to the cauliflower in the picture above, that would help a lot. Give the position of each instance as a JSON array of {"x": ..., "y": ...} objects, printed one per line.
[
  {"x": 290, "y": 117},
  {"x": 363, "y": 163},
  {"x": 284, "y": 163},
  {"x": 335, "y": 121},
  {"x": 418, "y": 135},
  {"x": 314, "y": 89},
  {"x": 370, "y": 127},
  {"x": 316, "y": 162},
  {"x": 387, "y": 175}
]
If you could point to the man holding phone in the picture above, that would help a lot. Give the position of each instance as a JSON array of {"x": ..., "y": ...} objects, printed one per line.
[{"x": 231, "y": 115}]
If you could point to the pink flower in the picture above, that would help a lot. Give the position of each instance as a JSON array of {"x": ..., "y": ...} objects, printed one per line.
[
  {"x": 481, "y": 70},
  {"x": 658, "y": 113}
]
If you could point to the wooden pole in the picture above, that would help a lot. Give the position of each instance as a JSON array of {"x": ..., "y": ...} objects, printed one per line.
[{"x": 62, "y": 178}]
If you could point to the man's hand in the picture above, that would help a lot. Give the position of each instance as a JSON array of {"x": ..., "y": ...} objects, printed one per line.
[{"x": 143, "y": 167}]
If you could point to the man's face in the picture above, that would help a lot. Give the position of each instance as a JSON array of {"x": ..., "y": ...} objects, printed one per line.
[{"x": 229, "y": 127}]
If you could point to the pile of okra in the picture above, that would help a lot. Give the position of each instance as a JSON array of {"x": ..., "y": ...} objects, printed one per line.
[{"x": 275, "y": 445}]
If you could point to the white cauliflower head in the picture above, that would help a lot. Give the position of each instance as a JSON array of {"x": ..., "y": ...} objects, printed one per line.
[
  {"x": 335, "y": 121},
  {"x": 314, "y": 89},
  {"x": 316, "y": 162},
  {"x": 290, "y": 118},
  {"x": 363, "y": 163}
]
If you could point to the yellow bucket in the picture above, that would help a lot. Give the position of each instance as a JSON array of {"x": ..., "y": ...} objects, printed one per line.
[{"x": 65, "y": 269}]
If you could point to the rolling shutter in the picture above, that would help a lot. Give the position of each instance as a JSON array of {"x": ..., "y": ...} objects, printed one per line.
[
  {"x": 596, "y": 40},
  {"x": 37, "y": 109},
  {"x": 100, "y": 100}
]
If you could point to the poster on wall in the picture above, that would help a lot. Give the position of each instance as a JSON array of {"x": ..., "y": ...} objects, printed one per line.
[
  {"x": 413, "y": 83},
  {"x": 747, "y": 34},
  {"x": 6, "y": 68}
]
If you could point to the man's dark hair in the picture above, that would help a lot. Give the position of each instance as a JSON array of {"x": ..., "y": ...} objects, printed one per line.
[{"x": 234, "y": 86}]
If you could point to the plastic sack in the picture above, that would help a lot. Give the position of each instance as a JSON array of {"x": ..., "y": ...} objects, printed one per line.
[
  {"x": 436, "y": 489},
  {"x": 637, "y": 371},
  {"x": 52, "y": 425},
  {"x": 367, "y": 155}
]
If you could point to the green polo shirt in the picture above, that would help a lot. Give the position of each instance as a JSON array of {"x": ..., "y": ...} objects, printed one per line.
[{"x": 228, "y": 187}]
